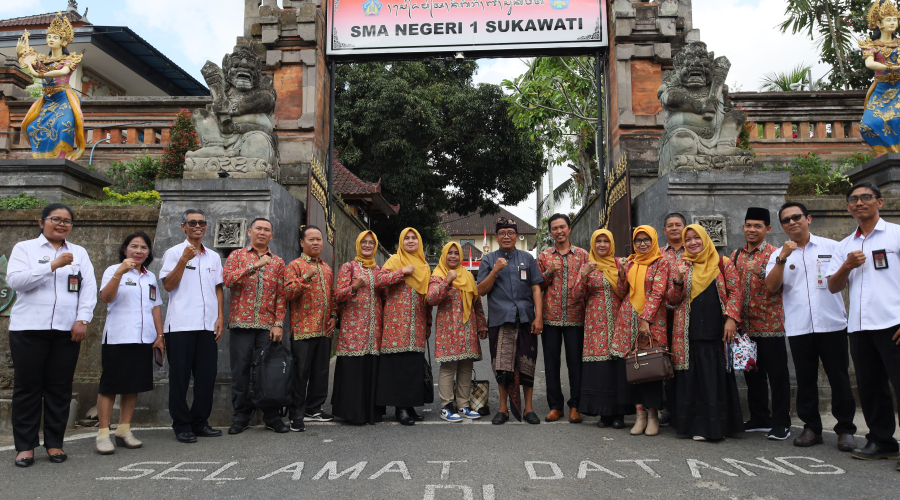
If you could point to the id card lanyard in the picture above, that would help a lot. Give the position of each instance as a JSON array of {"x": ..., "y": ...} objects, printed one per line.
[{"x": 820, "y": 276}]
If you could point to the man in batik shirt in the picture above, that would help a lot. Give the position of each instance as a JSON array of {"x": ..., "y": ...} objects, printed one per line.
[{"x": 673, "y": 225}]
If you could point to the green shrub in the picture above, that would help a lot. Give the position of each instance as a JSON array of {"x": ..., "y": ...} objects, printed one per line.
[
  {"x": 138, "y": 174},
  {"x": 21, "y": 201},
  {"x": 183, "y": 138}
]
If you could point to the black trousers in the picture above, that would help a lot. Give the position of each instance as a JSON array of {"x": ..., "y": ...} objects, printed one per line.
[
  {"x": 194, "y": 354},
  {"x": 243, "y": 342},
  {"x": 552, "y": 339},
  {"x": 311, "y": 357},
  {"x": 772, "y": 370},
  {"x": 669, "y": 384},
  {"x": 831, "y": 348},
  {"x": 44, "y": 367},
  {"x": 877, "y": 360}
]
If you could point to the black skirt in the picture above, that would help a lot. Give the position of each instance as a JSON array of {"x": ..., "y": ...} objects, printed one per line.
[
  {"x": 401, "y": 380},
  {"x": 353, "y": 396},
  {"x": 127, "y": 368},
  {"x": 648, "y": 394},
  {"x": 604, "y": 389},
  {"x": 706, "y": 396}
]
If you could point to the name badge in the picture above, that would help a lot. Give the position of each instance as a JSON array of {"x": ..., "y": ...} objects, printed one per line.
[
  {"x": 130, "y": 282},
  {"x": 152, "y": 293},
  {"x": 44, "y": 260},
  {"x": 75, "y": 283},
  {"x": 879, "y": 258},
  {"x": 190, "y": 265},
  {"x": 523, "y": 272},
  {"x": 820, "y": 277}
]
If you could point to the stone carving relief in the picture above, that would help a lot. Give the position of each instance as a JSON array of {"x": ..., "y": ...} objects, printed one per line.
[
  {"x": 715, "y": 227},
  {"x": 236, "y": 131},
  {"x": 230, "y": 233},
  {"x": 702, "y": 126}
]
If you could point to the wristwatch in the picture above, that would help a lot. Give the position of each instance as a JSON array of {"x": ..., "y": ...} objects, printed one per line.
[
  {"x": 779, "y": 260},
  {"x": 83, "y": 322}
]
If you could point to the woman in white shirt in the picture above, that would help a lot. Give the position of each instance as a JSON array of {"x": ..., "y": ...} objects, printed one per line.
[
  {"x": 54, "y": 281},
  {"x": 133, "y": 329}
]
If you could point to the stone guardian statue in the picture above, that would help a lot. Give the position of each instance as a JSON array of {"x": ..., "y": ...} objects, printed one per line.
[
  {"x": 236, "y": 131},
  {"x": 702, "y": 126},
  {"x": 880, "y": 124}
]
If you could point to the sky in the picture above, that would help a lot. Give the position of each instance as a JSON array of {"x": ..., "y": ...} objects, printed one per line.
[{"x": 190, "y": 32}]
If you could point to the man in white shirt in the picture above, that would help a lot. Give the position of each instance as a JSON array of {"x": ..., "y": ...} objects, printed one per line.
[
  {"x": 815, "y": 322},
  {"x": 192, "y": 274},
  {"x": 868, "y": 261}
]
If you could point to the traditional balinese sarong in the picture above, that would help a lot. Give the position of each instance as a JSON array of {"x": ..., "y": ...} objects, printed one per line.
[
  {"x": 514, "y": 351},
  {"x": 55, "y": 123}
]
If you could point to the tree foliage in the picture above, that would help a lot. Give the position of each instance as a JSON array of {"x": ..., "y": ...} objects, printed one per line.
[
  {"x": 555, "y": 102},
  {"x": 437, "y": 142},
  {"x": 782, "y": 81},
  {"x": 183, "y": 138}
]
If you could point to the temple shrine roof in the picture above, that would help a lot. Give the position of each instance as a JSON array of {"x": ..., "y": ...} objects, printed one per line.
[
  {"x": 457, "y": 224},
  {"x": 351, "y": 187}
]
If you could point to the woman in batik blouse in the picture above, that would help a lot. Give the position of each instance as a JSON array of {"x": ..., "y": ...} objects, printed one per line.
[
  {"x": 460, "y": 326},
  {"x": 407, "y": 323},
  {"x": 359, "y": 294}
]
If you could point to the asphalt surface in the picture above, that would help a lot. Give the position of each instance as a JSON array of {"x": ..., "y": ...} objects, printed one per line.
[{"x": 513, "y": 461}]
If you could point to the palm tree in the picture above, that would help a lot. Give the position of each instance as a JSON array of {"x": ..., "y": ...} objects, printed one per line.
[
  {"x": 824, "y": 17},
  {"x": 794, "y": 79}
]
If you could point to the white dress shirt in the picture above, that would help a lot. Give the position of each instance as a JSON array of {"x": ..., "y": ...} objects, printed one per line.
[
  {"x": 129, "y": 317},
  {"x": 44, "y": 301},
  {"x": 874, "y": 293},
  {"x": 809, "y": 308},
  {"x": 192, "y": 304}
]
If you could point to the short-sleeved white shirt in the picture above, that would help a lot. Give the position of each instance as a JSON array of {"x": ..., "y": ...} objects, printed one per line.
[
  {"x": 808, "y": 308},
  {"x": 192, "y": 304},
  {"x": 874, "y": 293},
  {"x": 129, "y": 317}
]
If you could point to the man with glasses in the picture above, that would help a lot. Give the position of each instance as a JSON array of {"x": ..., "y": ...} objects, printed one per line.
[
  {"x": 763, "y": 319},
  {"x": 192, "y": 274},
  {"x": 256, "y": 317},
  {"x": 815, "y": 322},
  {"x": 511, "y": 279},
  {"x": 867, "y": 260},
  {"x": 563, "y": 305}
]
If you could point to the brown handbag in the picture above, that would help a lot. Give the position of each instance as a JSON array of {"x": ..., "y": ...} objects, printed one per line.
[{"x": 648, "y": 365}]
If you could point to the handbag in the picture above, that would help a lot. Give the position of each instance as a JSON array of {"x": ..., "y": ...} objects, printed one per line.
[
  {"x": 648, "y": 365},
  {"x": 743, "y": 352},
  {"x": 429, "y": 378},
  {"x": 479, "y": 400}
]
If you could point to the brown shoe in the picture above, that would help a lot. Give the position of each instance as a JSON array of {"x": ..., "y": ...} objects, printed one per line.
[
  {"x": 807, "y": 438},
  {"x": 846, "y": 442},
  {"x": 553, "y": 416},
  {"x": 574, "y": 416}
]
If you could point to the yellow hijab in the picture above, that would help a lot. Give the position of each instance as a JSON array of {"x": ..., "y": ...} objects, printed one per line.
[
  {"x": 706, "y": 263},
  {"x": 638, "y": 272},
  {"x": 419, "y": 278},
  {"x": 464, "y": 281},
  {"x": 363, "y": 260},
  {"x": 607, "y": 264}
]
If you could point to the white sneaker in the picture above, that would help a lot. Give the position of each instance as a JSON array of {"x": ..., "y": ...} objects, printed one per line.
[
  {"x": 469, "y": 413},
  {"x": 105, "y": 446},
  {"x": 449, "y": 416}
]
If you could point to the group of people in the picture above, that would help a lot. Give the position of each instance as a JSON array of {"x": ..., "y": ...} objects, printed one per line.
[{"x": 585, "y": 303}]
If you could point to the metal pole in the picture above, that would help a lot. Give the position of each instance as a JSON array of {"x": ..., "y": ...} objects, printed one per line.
[{"x": 601, "y": 133}]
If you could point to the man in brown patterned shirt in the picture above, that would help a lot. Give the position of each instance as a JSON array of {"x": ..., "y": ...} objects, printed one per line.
[
  {"x": 255, "y": 277},
  {"x": 563, "y": 318},
  {"x": 673, "y": 225},
  {"x": 763, "y": 320}
]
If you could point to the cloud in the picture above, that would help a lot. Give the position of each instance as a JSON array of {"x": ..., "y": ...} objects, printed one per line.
[{"x": 496, "y": 70}]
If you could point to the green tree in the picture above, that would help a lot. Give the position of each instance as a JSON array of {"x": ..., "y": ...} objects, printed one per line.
[
  {"x": 555, "y": 102},
  {"x": 437, "y": 142},
  {"x": 183, "y": 138},
  {"x": 782, "y": 81}
]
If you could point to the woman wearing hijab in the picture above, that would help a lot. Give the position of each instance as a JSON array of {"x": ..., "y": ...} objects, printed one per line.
[
  {"x": 407, "y": 323},
  {"x": 708, "y": 303},
  {"x": 604, "y": 389},
  {"x": 460, "y": 326},
  {"x": 358, "y": 293},
  {"x": 642, "y": 317}
]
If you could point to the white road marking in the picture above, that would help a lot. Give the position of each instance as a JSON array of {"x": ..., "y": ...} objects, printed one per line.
[
  {"x": 445, "y": 466},
  {"x": 774, "y": 467},
  {"x": 400, "y": 467},
  {"x": 296, "y": 470},
  {"x": 557, "y": 472},
  {"x": 331, "y": 469},
  {"x": 430, "y": 490},
  {"x": 487, "y": 492},
  {"x": 835, "y": 469},
  {"x": 643, "y": 465},
  {"x": 215, "y": 475},
  {"x": 588, "y": 466},
  {"x": 176, "y": 468},
  {"x": 695, "y": 466}
]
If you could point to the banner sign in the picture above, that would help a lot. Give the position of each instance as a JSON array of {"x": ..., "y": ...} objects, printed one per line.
[{"x": 430, "y": 26}]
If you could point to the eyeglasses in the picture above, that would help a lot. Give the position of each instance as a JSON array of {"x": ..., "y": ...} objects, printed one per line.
[
  {"x": 195, "y": 223},
  {"x": 643, "y": 241},
  {"x": 60, "y": 221},
  {"x": 794, "y": 218},
  {"x": 506, "y": 234},
  {"x": 864, "y": 197},
  {"x": 367, "y": 244}
]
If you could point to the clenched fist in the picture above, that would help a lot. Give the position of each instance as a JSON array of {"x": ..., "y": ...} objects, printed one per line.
[
  {"x": 358, "y": 283},
  {"x": 189, "y": 253},
  {"x": 451, "y": 275},
  {"x": 587, "y": 269},
  {"x": 501, "y": 263},
  {"x": 408, "y": 270},
  {"x": 855, "y": 259},
  {"x": 787, "y": 249},
  {"x": 63, "y": 260},
  {"x": 263, "y": 261}
]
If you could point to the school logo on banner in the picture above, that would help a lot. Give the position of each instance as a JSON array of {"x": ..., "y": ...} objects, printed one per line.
[
  {"x": 559, "y": 4},
  {"x": 372, "y": 8}
]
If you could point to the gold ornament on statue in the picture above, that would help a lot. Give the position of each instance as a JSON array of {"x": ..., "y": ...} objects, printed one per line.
[
  {"x": 881, "y": 10},
  {"x": 62, "y": 27}
]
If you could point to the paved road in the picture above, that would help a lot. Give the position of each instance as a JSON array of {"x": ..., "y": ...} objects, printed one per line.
[{"x": 441, "y": 461}]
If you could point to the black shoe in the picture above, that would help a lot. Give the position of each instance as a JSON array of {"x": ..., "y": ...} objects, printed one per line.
[
  {"x": 618, "y": 422},
  {"x": 297, "y": 425},
  {"x": 238, "y": 427},
  {"x": 605, "y": 421},
  {"x": 186, "y": 437},
  {"x": 278, "y": 426},
  {"x": 25, "y": 462},
  {"x": 500, "y": 418},
  {"x": 756, "y": 426},
  {"x": 58, "y": 458},
  {"x": 319, "y": 416},
  {"x": 779, "y": 433},
  {"x": 665, "y": 418},
  {"x": 873, "y": 452},
  {"x": 208, "y": 432},
  {"x": 415, "y": 416},
  {"x": 404, "y": 417},
  {"x": 532, "y": 418}
]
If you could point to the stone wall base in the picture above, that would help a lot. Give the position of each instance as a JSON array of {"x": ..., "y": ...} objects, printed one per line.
[{"x": 54, "y": 180}]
